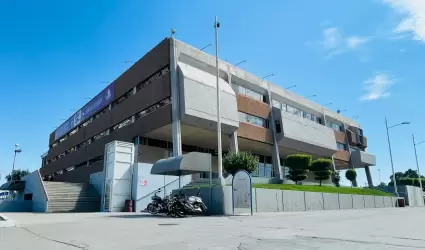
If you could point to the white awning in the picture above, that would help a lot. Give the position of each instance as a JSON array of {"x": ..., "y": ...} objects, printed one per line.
[{"x": 186, "y": 164}]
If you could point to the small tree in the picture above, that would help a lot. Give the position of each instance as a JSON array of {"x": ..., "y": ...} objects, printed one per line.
[
  {"x": 241, "y": 160},
  {"x": 321, "y": 169},
  {"x": 16, "y": 175},
  {"x": 298, "y": 166},
  {"x": 351, "y": 175},
  {"x": 382, "y": 185},
  {"x": 336, "y": 178}
]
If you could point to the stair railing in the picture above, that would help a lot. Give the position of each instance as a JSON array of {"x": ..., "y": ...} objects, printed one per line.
[
  {"x": 163, "y": 188},
  {"x": 99, "y": 187},
  {"x": 44, "y": 190}
]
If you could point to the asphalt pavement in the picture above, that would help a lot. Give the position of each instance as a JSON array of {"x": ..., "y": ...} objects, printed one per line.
[{"x": 386, "y": 228}]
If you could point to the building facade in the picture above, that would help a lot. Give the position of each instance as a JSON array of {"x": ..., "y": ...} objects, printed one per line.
[{"x": 166, "y": 103}]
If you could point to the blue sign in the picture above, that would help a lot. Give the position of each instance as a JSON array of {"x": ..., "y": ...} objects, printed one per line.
[{"x": 102, "y": 100}]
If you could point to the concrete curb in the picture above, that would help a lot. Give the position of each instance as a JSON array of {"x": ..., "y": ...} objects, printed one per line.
[{"x": 6, "y": 222}]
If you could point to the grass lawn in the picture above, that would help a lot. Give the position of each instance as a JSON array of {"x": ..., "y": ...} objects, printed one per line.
[
  {"x": 324, "y": 189},
  {"x": 312, "y": 188}
]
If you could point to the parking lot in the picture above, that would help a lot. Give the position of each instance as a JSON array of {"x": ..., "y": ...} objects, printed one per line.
[{"x": 390, "y": 228}]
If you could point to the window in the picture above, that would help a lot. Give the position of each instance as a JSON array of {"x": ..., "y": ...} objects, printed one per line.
[
  {"x": 307, "y": 116},
  {"x": 341, "y": 146},
  {"x": 257, "y": 121},
  {"x": 336, "y": 127},
  {"x": 297, "y": 112},
  {"x": 250, "y": 93},
  {"x": 276, "y": 104},
  {"x": 277, "y": 126},
  {"x": 290, "y": 109},
  {"x": 354, "y": 149}
]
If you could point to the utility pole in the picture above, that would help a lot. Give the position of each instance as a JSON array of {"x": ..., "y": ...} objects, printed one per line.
[{"x": 219, "y": 145}]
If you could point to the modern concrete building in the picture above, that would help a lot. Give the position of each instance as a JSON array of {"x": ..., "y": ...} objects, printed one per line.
[{"x": 166, "y": 104}]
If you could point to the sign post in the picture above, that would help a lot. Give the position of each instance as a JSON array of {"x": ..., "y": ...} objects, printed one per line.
[{"x": 242, "y": 191}]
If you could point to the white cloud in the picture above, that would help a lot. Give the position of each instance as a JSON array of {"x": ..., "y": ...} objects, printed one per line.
[
  {"x": 334, "y": 42},
  {"x": 332, "y": 38},
  {"x": 413, "y": 17},
  {"x": 356, "y": 41},
  {"x": 377, "y": 87}
]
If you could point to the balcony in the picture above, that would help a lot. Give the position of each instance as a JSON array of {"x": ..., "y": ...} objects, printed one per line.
[
  {"x": 304, "y": 135},
  {"x": 198, "y": 103},
  {"x": 362, "y": 159}
]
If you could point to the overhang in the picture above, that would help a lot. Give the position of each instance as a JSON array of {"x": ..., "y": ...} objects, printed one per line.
[
  {"x": 13, "y": 185},
  {"x": 186, "y": 164},
  {"x": 362, "y": 159}
]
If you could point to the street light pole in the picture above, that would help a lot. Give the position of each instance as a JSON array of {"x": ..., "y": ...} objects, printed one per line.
[
  {"x": 17, "y": 150},
  {"x": 391, "y": 158},
  {"x": 220, "y": 162},
  {"x": 417, "y": 163}
]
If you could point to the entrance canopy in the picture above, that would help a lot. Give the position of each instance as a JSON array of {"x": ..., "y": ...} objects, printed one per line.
[
  {"x": 13, "y": 185},
  {"x": 191, "y": 163}
]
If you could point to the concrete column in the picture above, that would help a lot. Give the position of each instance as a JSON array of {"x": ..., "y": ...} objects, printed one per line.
[
  {"x": 368, "y": 176},
  {"x": 175, "y": 102},
  {"x": 233, "y": 138},
  {"x": 279, "y": 176},
  {"x": 233, "y": 141}
]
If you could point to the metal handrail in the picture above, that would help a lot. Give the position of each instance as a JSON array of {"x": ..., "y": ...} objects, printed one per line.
[
  {"x": 44, "y": 187},
  {"x": 97, "y": 182},
  {"x": 156, "y": 190}
]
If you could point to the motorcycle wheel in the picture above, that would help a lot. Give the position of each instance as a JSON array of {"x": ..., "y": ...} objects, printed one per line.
[
  {"x": 151, "y": 209},
  {"x": 179, "y": 210},
  {"x": 204, "y": 209}
]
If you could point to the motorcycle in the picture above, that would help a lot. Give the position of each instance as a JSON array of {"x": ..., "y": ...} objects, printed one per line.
[
  {"x": 158, "y": 205},
  {"x": 194, "y": 203}
]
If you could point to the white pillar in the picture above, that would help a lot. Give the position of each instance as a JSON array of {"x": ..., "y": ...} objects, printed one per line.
[
  {"x": 233, "y": 138},
  {"x": 175, "y": 102},
  {"x": 275, "y": 148}
]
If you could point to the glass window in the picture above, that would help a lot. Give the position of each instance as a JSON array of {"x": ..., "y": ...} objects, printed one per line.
[
  {"x": 241, "y": 90},
  {"x": 276, "y": 104},
  {"x": 297, "y": 112},
  {"x": 253, "y": 120},
  {"x": 290, "y": 109},
  {"x": 355, "y": 149},
  {"x": 307, "y": 115},
  {"x": 254, "y": 95},
  {"x": 341, "y": 146},
  {"x": 313, "y": 118},
  {"x": 283, "y": 106},
  {"x": 336, "y": 127}
]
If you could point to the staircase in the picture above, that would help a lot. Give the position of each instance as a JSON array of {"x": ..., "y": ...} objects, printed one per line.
[
  {"x": 202, "y": 182},
  {"x": 71, "y": 197}
]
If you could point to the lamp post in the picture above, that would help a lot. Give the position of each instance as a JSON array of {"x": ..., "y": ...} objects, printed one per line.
[
  {"x": 416, "y": 157},
  {"x": 17, "y": 151},
  {"x": 290, "y": 87},
  {"x": 220, "y": 162},
  {"x": 391, "y": 155},
  {"x": 310, "y": 96}
]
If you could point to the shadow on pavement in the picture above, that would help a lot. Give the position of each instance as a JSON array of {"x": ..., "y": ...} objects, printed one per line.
[{"x": 134, "y": 215}]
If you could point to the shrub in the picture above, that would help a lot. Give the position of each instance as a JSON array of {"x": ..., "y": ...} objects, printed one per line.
[
  {"x": 336, "y": 178},
  {"x": 241, "y": 160},
  {"x": 299, "y": 166},
  {"x": 321, "y": 169},
  {"x": 351, "y": 175}
]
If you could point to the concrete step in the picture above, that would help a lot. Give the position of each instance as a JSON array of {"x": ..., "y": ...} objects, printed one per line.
[
  {"x": 72, "y": 197},
  {"x": 60, "y": 208}
]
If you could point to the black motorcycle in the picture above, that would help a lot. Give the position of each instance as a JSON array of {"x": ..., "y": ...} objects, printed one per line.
[{"x": 158, "y": 205}]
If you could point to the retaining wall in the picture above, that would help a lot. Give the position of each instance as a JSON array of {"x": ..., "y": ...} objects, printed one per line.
[
  {"x": 9, "y": 206},
  {"x": 272, "y": 200}
]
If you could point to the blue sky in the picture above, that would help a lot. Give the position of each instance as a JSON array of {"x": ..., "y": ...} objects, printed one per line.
[{"x": 363, "y": 56}]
